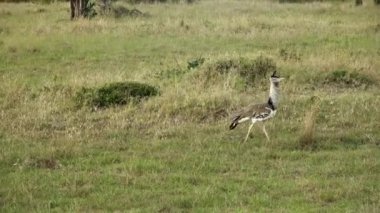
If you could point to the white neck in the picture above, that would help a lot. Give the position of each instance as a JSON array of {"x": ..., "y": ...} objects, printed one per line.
[{"x": 274, "y": 94}]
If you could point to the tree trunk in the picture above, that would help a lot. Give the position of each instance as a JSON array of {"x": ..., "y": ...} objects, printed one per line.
[{"x": 77, "y": 8}]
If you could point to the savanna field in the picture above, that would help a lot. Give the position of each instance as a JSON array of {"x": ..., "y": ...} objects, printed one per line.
[{"x": 66, "y": 148}]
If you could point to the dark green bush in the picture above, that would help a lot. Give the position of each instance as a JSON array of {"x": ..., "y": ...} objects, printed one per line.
[
  {"x": 225, "y": 66},
  {"x": 194, "y": 63},
  {"x": 114, "y": 94},
  {"x": 121, "y": 11},
  {"x": 249, "y": 70},
  {"x": 258, "y": 68},
  {"x": 345, "y": 78},
  {"x": 108, "y": 8},
  {"x": 358, "y": 2},
  {"x": 89, "y": 10}
]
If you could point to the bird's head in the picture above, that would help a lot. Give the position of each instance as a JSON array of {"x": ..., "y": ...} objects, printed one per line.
[{"x": 275, "y": 78}]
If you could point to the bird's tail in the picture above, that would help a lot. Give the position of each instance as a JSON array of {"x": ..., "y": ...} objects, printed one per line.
[{"x": 234, "y": 122}]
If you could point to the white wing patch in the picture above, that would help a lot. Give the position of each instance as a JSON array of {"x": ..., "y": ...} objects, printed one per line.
[
  {"x": 244, "y": 119},
  {"x": 259, "y": 117}
]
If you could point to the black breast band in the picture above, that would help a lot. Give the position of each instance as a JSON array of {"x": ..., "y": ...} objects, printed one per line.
[{"x": 271, "y": 105}]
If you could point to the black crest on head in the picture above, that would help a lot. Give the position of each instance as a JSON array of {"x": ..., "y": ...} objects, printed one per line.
[{"x": 274, "y": 75}]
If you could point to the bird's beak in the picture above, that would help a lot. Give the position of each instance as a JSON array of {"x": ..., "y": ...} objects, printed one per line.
[{"x": 280, "y": 79}]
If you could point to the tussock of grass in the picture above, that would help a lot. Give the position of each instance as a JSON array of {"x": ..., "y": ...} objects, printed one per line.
[
  {"x": 42, "y": 163},
  {"x": 307, "y": 138}
]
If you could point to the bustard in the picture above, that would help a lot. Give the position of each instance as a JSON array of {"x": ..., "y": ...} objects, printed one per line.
[{"x": 260, "y": 112}]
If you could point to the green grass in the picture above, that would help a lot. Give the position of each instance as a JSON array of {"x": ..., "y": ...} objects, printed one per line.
[{"x": 174, "y": 152}]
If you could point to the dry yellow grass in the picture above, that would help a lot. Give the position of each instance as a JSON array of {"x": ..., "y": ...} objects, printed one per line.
[{"x": 307, "y": 138}]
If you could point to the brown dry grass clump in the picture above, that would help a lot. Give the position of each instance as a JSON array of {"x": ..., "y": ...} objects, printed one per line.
[{"x": 307, "y": 138}]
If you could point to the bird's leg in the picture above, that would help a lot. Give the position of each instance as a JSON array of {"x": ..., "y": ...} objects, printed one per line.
[
  {"x": 249, "y": 130},
  {"x": 265, "y": 132}
]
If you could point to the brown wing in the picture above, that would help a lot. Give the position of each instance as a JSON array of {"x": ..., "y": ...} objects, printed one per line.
[{"x": 252, "y": 109}]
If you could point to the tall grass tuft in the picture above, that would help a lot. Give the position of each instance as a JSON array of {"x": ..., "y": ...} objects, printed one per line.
[{"x": 307, "y": 138}]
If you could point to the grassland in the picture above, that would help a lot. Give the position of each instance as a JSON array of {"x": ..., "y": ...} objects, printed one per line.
[{"x": 174, "y": 152}]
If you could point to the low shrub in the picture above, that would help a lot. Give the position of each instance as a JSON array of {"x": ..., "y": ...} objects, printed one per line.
[
  {"x": 170, "y": 74},
  {"x": 289, "y": 55},
  {"x": 121, "y": 11},
  {"x": 111, "y": 8},
  {"x": 89, "y": 10},
  {"x": 358, "y": 2},
  {"x": 258, "y": 68},
  {"x": 225, "y": 66},
  {"x": 114, "y": 94},
  {"x": 344, "y": 78},
  {"x": 194, "y": 63},
  {"x": 249, "y": 70}
]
